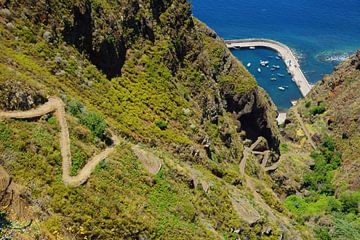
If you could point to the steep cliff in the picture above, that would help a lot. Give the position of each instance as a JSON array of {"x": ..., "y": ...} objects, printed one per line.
[
  {"x": 162, "y": 81},
  {"x": 322, "y": 184}
]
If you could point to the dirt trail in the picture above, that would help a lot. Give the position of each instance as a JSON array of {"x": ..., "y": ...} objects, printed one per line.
[
  {"x": 250, "y": 184},
  {"x": 56, "y": 105},
  {"x": 246, "y": 154},
  {"x": 307, "y": 134}
]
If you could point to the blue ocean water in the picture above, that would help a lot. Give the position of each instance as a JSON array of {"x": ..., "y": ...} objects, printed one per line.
[{"x": 321, "y": 32}]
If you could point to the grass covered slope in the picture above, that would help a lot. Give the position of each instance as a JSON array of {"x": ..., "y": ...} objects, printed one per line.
[
  {"x": 160, "y": 79},
  {"x": 324, "y": 195}
]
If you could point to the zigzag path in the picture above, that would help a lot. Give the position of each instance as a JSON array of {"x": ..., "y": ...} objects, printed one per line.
[{"x": 57, "y": 106}]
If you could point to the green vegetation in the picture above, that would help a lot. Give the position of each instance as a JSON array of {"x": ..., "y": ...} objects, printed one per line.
[
  {"x": 319, "y": 109},
  {"x": 342, "y": 212},
  {"x": 91, "y": 120},
  {"x": 326, "y": 161},
  {"x": 170, "y": 95},
  {"x": 161, "y": 124}
]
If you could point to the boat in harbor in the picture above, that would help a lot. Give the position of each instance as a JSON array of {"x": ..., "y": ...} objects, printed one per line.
[
  {"x": 252, "y": 48},
  {"x": 276, "y": 66},
  {"x": 259, "y": 70},
  {"x": 280, "y": 75},
  {"x": 248, "y": 65},
  {"x": 281, "y": 88},
  {"x": 264, "y": 63},
  {"x": 277, "y": 57},
  {"x": 273, "y": 79},
  {"x": 272, "y": 69}
]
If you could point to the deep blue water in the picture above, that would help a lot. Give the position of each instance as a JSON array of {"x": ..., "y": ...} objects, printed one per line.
[{"x": 314, "y": 29}]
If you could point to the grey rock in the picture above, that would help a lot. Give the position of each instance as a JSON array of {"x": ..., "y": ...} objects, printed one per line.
[
  {"x": 60, "y": 73},
  {"x": 58, "y": 59},
  {"x": 47, "y": 36},
  {"x": 10, "y": 26},
  {"x": 186, "y": 111},
  {"x": 5, "y": 13}
]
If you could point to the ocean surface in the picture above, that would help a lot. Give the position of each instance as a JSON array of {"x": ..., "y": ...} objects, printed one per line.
[{"x": 321, "y": 33}]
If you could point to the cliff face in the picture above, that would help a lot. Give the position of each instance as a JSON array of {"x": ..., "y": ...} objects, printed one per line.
[
  {"x": 338, "y": 97},
  {"x": 312, "y": 180},
  {"x": 159, "y": 79}
]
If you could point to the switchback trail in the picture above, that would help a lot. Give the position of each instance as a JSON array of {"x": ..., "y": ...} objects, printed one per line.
[
  {"x": 306, "y": 132},
  {"x": 56, "y": 105}
]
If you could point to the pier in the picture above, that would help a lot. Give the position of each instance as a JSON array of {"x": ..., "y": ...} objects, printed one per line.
[{"x": 284, "y": 52}]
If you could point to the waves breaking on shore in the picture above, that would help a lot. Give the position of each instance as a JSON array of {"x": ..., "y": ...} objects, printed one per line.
[{"x": 335, "y": 57}]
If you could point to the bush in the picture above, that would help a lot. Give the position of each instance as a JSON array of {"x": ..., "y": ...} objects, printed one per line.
[
  {"x": 326, "y": 161},
  {"x": 350, "y": 202},
  {"x": 307, "y": 104},
  {"x": 284, "y": 148},
  {"x": 161, "y": 124},
  {"x": 5, "y": 132},
  {"x": 322, "y": 233},
  {"x": 318, "y": 109},
  {"x": 95, "y": 123},
  {"x": 75, "y": 108}
]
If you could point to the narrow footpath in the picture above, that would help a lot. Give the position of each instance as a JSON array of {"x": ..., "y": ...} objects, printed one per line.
[
  {"x": 304, "y": 128},
  {"x": 56, "y": 105}
]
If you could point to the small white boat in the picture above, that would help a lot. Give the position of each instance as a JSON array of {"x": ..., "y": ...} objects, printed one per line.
[
  {"x": 248, "y": 65},
  {"x": 264, "y": 63},
  {"x": 280, "y": 75},
  {"x": 273, "y": 79},
  {"x": 281, "y": 88},
  {"x": 277, "y": 57},
  {"x": 276, "y": 66},
  {"x": 259, "y": 70},
  {"x": 252, "y": 48}
]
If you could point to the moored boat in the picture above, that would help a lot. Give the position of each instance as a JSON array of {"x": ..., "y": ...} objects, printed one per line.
[
  {"x": 259, "y": 70},
  {"x": 280, "y": 75},
  {"x": 281, "y": 88},
  {"x": 264, "y": 63}
]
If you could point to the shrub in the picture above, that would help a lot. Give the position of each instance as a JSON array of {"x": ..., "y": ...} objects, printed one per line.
[
  {"x": 322, "y": 233},
  {"x": 329, "y": 144},
  {"x": 75, "y": 108},
  {"x": 307, "y": 104},
  {"x": 5, "y": 132},
  {"x": 161, "y": 124},
  {"x": 95, "y": 123},
  {"x": 350, "y": 202},
  {"x": 318, "y": 109},
  {"x": 284, "y": 148}
]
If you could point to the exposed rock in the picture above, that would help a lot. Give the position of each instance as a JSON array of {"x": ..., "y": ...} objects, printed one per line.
[
  {"x": 257, "y": 115},
  {"x": 47, "y": 36},
  {"x": 6, "y": 13},
  {"x": 151, "y": 162},
  {"x": 244, "y": 209},
  {"x": 4, "y": 180},
  {"x": 19, "y": 96},
  {"x": 10, "y": 26}
]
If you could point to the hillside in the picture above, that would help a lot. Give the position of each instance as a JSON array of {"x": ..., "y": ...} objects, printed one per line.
[
  {"x": 326, "y": 192},
  {"x": 184, "y": 110},
  {"x": 132, "y": 120}
]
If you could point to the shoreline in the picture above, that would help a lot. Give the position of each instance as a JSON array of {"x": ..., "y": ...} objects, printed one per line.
[{"x": 284, "y": 52}]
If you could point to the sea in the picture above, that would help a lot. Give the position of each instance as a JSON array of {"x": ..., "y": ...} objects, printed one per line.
[{"x": 322, "y": 33}]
